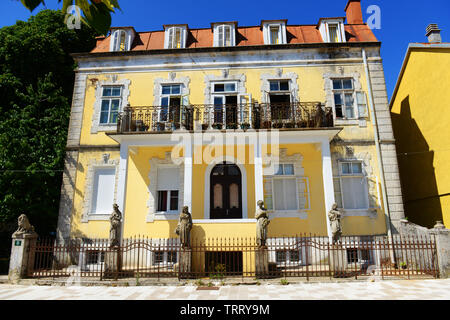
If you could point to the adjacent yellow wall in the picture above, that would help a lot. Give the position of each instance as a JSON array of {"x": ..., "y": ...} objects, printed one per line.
[{"x": 421, "y": 117}]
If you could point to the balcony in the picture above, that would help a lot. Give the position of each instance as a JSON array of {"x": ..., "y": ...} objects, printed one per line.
[{"x": 153, "y": 119}]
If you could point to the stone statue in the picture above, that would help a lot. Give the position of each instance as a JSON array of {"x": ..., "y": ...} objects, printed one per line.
[
  {"x": 184, "y": 227},
  {"x": 335, "y": 223},
  {"x": 114, "y": 231},
  {"x": 24, "y": 227},
  {"x": 261, "y": 224}
]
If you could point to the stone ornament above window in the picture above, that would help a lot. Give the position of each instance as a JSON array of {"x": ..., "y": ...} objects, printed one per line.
[
  {"x": 95, "y": 164},
  {"x": 112, "y": 81}
]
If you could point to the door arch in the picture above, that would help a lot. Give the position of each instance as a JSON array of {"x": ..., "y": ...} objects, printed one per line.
[{"x": 225, "y": 192}]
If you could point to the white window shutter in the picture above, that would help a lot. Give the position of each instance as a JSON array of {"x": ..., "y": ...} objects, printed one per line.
[
  {"x": 220, "y": 36},
  {"x": 115, "y": 41},
  {"x": 168, "y": 179},
  {"x": 103, "y": 197},
  {"x": 361, "y": 100},
  {"x": 170, "y": 43}
]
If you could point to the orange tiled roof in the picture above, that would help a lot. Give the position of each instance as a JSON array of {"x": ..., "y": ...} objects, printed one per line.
[{"x": 245, "y": 36}]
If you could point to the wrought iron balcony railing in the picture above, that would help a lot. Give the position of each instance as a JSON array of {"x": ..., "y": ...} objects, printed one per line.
[{"x": 219, "y": 117}]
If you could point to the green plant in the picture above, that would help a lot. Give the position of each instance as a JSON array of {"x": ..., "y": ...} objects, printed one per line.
[
  {"x": 284, "y": 282},
  {"x": 232, "y": 126},
  {"x": 210, "y": 284},
  {"x": 219, "y": 271},
  {"x": 403, "y": 265},
  {"x": 245, "y": 126},
  {"x": 199, "y": 282},
  {"x": 137, "y": 279},
  {"x": 217, "y": 126},
  {"x": 258, "y": 283}
]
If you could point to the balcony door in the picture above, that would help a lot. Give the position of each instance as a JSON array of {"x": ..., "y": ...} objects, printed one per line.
[
  {"x": 226, "y": 192},
  {"x": 225, "y": 109}
]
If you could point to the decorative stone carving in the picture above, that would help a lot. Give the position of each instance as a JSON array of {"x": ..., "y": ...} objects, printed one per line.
[
  {"x": 24, "y": 227},
  {"x": 116, "y": 223},
  {"x": 335, "y": 223},
  {"x": 262, "y": 221},
  {"x": 184, "y": 227},
  {"x": 106, "y": 158},
  {"x": 439, "y": 225},
  {"x": 225, "y": 73}
]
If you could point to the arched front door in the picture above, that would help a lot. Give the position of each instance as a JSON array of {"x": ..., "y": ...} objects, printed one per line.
[{"x": 226, "y": 192}]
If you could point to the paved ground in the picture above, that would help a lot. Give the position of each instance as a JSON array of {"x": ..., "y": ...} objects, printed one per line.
[{"x": 384, "y": 290}]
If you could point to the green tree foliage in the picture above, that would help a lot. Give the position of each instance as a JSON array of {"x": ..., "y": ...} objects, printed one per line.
[
  {"x": 96, "y": 13},
  {"x": 36, "y": 85}
]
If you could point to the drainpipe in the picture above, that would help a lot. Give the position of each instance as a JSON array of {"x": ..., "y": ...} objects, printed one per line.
[{"x": 380, "y": 159}]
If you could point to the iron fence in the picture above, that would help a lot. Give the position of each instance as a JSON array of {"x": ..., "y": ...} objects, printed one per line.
[
  {"x": 305, "y": 256},
  {"x": 224, "y": 116}
]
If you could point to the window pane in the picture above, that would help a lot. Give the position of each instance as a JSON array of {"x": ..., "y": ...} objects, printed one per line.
[
  {"x": 294, "y": 256},
  {"x": 115, "y": 105},
  {"x": 105, "y": 105},
  {"x": 288, "y": 169},
  {"x": 107, "y": 92},
  {"x": 165, "y": 89},
  {"x": 274, "y": 35},
  {"x": 113, "y": 117},
  {"x": 280, "y": 256},
  {"x": 290, "y": 194},
  {"x": 337, "y": 99},
  {"x": 274, "y": 86},
  {"x": 162, "y": 201},
  {"x": 357, "y": 168},
  {"x": 176, "y": 89},
  {"x": 104, "y": 117},
  {"x": 349, "y": 113},
  {"x": 349, "y": 100},
  {"x": 279, "y": 170},
  {"x": 219, "y": 87},
  {"x": 172, "y": 256},
  {"x": 227, "y": 35},
  {"x": 174, "y": 200},
  {"x": 230, "y": 87},
  {"x": 159, "y": 257},
  {"x": 337, "y": 84},
  {"x": 234, "y": 196},
  {"x": 284, "y": 85},
  {"x": 333, "y": 33},
  {"x": 115, "y": 92},
  {"x": 348, "y": 83},
  {"x": 346, "y": 169},
  {"x": 278, "y": 191}
]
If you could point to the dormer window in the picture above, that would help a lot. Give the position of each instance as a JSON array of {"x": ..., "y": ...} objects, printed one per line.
[
  {"x": 121, "y": 39},
  {"x": 332, "y": 30},
  {"x": 224, "y": 34},
  {"x": 274, "y": 32},
  {"x": 175, "y": 37}
]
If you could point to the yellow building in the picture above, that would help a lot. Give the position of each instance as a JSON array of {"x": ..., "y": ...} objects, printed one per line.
[
  {"x": 420, "y": 118},
  {"x": 216, "y": 119}
]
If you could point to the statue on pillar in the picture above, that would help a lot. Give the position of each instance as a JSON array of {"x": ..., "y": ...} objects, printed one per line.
[
  {"x": 261, "y": 224},
  {"x": 24, "y": 227},
  {"x": 335, "y": 223},
  {"x": 184, "y": 227},
  {"x": 116, "y": 223}
]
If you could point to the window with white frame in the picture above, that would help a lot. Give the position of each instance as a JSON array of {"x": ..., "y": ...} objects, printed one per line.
[
  {"x": 110, "y": 104},
  {"x": 332, "y": 30},
  {"x": 274, "y": 32},
  {"x": 103, "y": 191},
  {"x": 176, "y": 37},
  {"x": 168, "y": 190},
  {"x": 225, "y": 100},
  {"x": 170, "y": 102},
  {"x": 354, "y": 189},
  {"x": 285, "y": 188},
  {"x": 348, "y": 103},
  {"x": 287, "y": 256},
  {"x": 120, "y": 41},
  {"x": 280, "y": 99},
  {"x": 224, "y": 35},
  {"x": 165, "y": 257}
]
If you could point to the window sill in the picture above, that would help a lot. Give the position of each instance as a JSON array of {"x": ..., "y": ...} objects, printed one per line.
[
  {"x": 370, "y": 212},
  {"x": 96, "y": 217},
  {"x": 303, "y": 215},
  {"x": 224, "y": 221},
  {"x": 346, "y": 122}
]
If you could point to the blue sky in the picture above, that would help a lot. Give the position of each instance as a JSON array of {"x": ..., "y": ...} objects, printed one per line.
[{"x": 402, "y": 21}]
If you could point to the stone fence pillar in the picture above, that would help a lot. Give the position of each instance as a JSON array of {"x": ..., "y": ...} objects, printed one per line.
[
  {"x": 443, "y": 250},
  {"x": 22, "y": 241}
]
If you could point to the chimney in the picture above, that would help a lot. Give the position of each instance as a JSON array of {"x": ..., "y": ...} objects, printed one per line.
[
  {"x": 433, "y": 33},
  {"x": 354, "y": 12}
]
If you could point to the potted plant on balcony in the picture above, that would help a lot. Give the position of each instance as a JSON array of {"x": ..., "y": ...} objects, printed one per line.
[
  {"x": 160, "y": 126},
  {"x": 232, "y": 126},
  {"x": 217, "y": 126},
  {"x": 245, "y": 126},
  {"x": 302, "y": 124},
  {"x": 205, "y": 126},
  {"x": 266, "y": 125},
  {"x": 289, "y": 125},
  {"x": 277, "y": 125}
]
